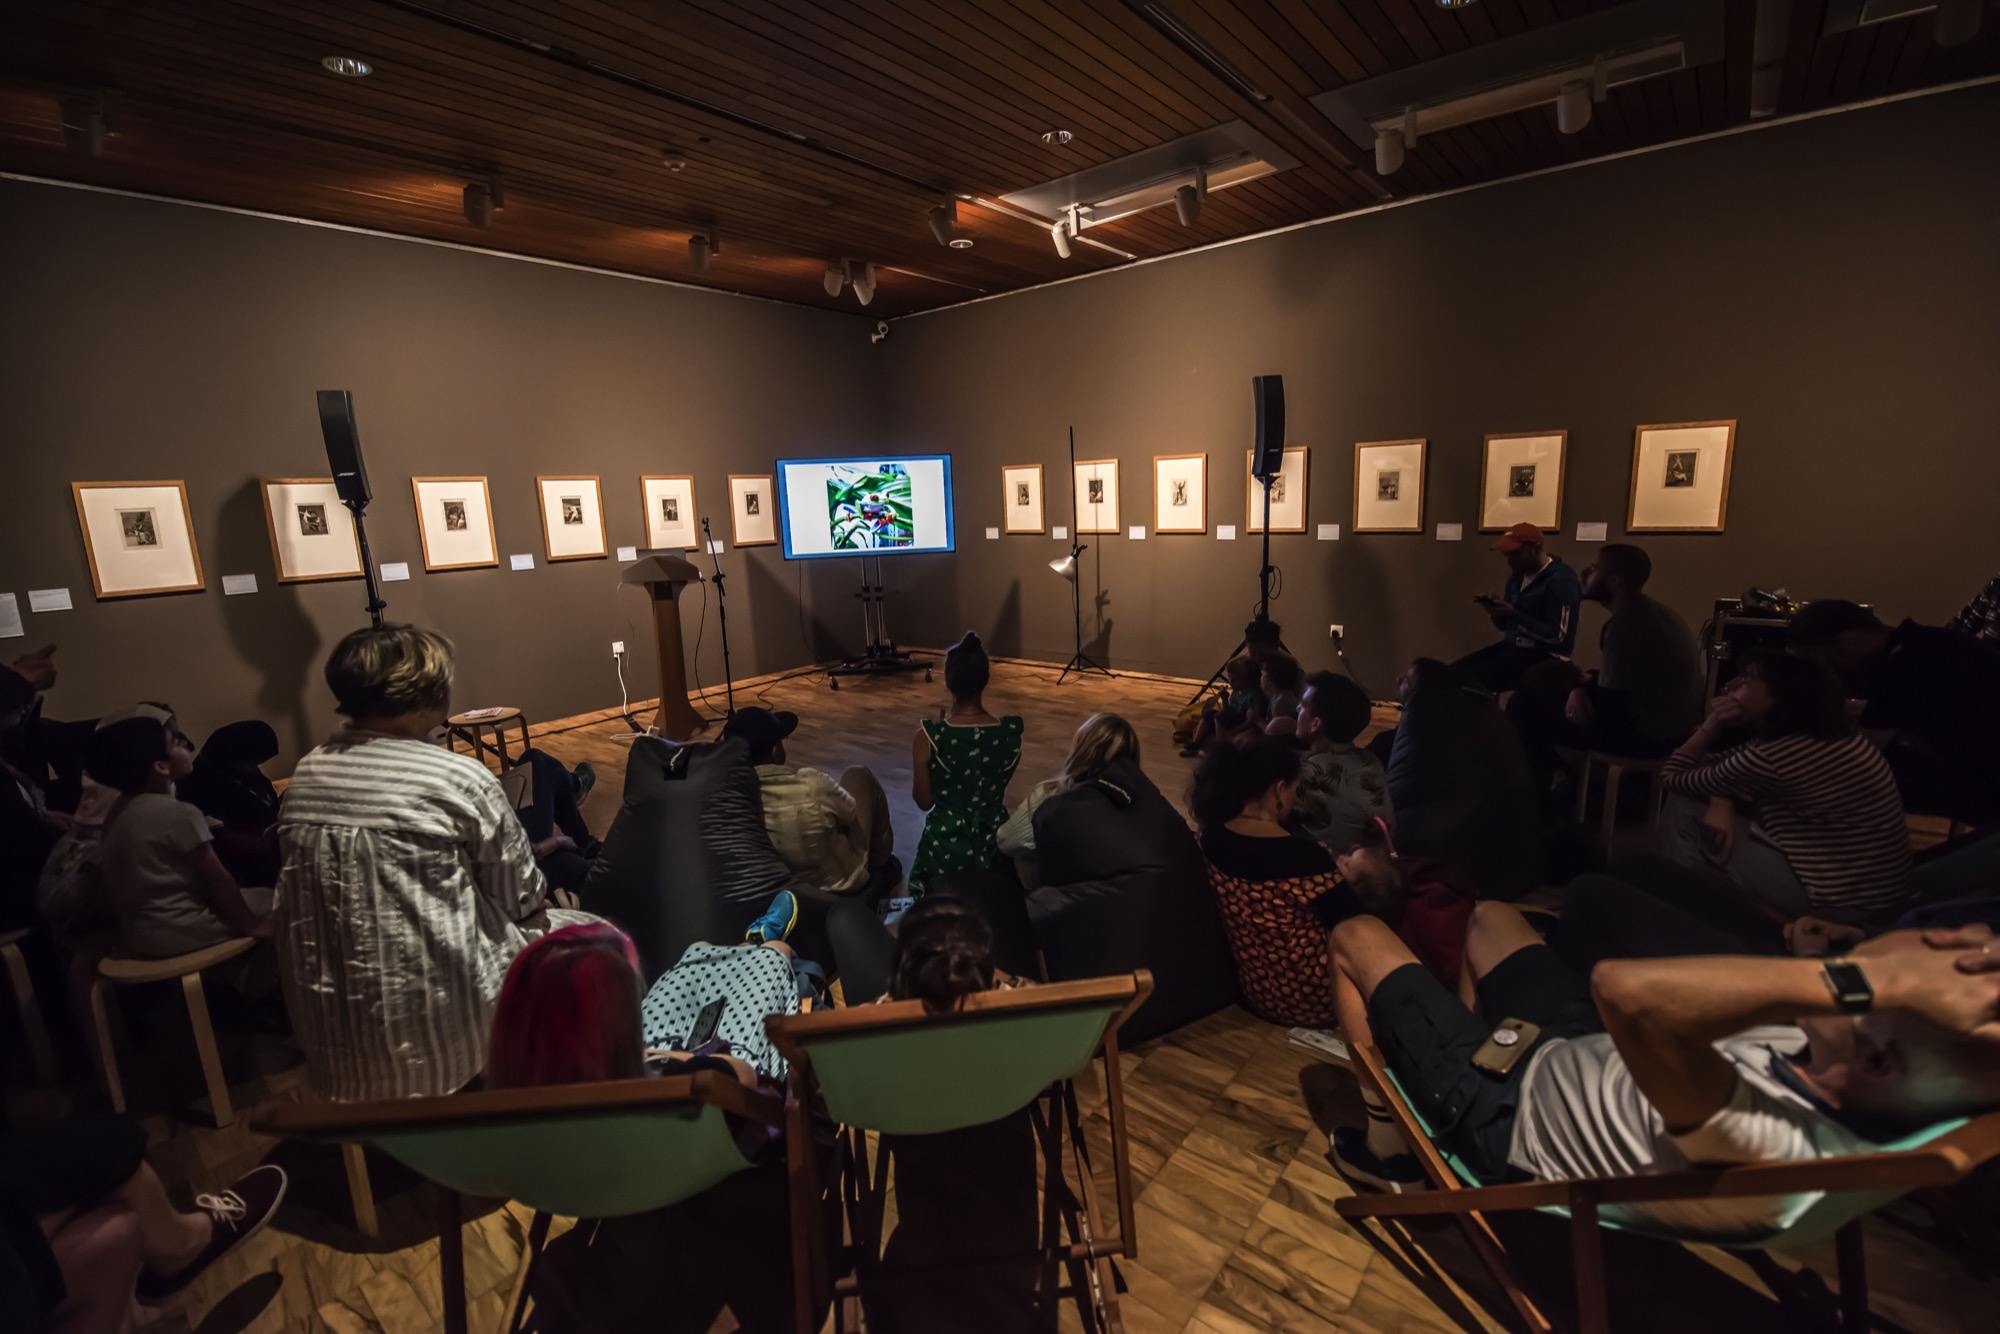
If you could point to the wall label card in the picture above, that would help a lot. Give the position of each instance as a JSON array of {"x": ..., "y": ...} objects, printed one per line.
[
  {"x": 1329, "y": 532},
  {"x": 49, "y": 599},
  {"x": 1451, "y": 532},
  {"x": 1136, "y": 533},
  {"x": 395, "y": 571},
  {"x": 1590, "y": 532},
  {"x": 10, "y": 617},
  {"x": 1225, "y": 532},
  {"x": 521, "y": 560},
  {"x": 1061, "y": 534},
  {"x": 715, "y": 547},
  {"x": 992, "y": 534},
  {"x": 628, "y": 553},
  {"x": 235, "y": 585}
]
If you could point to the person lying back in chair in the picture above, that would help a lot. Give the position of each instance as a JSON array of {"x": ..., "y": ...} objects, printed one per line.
[{"x": 1663, "y": 1064}]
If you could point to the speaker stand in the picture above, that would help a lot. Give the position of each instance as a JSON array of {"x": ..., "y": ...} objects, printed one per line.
[
  {"x": 376, "y": 606},
  {"x": 879, "y": 655}
]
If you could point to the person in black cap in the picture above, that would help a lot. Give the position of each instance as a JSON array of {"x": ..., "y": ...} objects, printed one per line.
[
  {"x": 1535, "y": 614},
  {"x": 835, "y": 835}
]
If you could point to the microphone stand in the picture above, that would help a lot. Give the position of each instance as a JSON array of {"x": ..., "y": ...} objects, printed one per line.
[
  {"x": 721, "y": 621},
  {"x": 376, "y": 606}
]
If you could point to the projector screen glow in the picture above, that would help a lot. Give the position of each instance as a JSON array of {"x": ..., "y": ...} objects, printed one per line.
[{"x": 894, "y": 506}]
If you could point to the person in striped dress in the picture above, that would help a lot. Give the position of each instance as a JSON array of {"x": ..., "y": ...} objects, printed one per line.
[{"x": 1804, "y": 816}]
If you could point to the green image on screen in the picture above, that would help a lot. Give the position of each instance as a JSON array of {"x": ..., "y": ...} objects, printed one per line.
[{"x": 869, "y": 506}]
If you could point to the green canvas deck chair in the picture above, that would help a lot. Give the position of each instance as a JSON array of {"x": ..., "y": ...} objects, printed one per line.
[
  {"x": 1846, "y": 1190},
  {"x": 897, "y": 1069},
  {"x": 574, "y": 1150}
]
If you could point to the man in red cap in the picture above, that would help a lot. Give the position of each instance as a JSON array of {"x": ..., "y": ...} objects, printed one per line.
[{"x": 1535, "y": 613}]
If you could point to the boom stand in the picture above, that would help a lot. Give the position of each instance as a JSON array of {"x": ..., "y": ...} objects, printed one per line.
[
  {"x": 376, "y": 606},
  {"x": 721, "y": 622},
  {"x": 879, "y": 655}
]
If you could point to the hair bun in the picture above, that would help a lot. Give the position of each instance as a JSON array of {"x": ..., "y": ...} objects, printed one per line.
[{"x": 970, "y": 639}]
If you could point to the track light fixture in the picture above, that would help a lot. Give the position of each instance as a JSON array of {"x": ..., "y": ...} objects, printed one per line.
[
  {"x": 478, "y": 204},
  {"x": 864, "y": 284},
  {"x": 1957, "y": 22},
  {"x": 944, "y": 221},
  {"x": 701, "y": 249},
  {"x": 1187, "y": 199},
  {"x": 1573, "y": 107},
  {"x": 835, "y": 278},
  {"x": 1064, "y": 230},
  {"x": 1393, "y": 142},
  {"x": 85, "y": 123}
]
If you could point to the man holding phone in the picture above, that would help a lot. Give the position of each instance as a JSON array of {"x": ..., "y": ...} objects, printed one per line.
[
  {"x": 1535, "y": 613},
  {"x": 1662, "y": 1064}
]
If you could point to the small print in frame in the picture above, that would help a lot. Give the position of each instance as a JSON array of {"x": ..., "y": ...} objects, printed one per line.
[
  {"x": 1680, "y": 477},
  {"x": 312, "y": 520},
  {"x": 138, "y": 536},
  {"x": 1180, "y": 493},
  {"x": 1521, "y": 481},
  {"x": 1278, "y": 489},
  {"x": 139, "y": 528},
  {"x": 454, "y": 515},
  {"x": 1021, "y": 497},
  {"x": 1389, "y": 484},
  {"x": 572, "y": 510},
  {"x": 670, "y": 509},
  {"x": 1021, "y": 489},
  {"x": 1094, "y": 490},
  {"x": 752, "y": 503},
  {"x": 1681, "y": 465}
]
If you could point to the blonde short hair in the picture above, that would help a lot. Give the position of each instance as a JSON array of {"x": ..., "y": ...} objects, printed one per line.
[
  {"x": 1102, "y": 738},
  {"x": 390, "y": 670}
]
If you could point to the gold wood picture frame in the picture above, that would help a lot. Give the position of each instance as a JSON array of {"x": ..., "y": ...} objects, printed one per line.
[
  {"x": 652, "y": 525},
  {"x": 331, "y": 522},
  {"x": 1680, "y": 477},
  {"x": 753, "y": 509},
  {"x": 1183, "y": 488},
  {"x": 1018, "y": 515},
  {"x": 1386, "y": 498},
  {"x": 588, "y": 514},
  {"x": 1521, "y": 480},
  {"x": 445, "y": 542},
  {"x": 1290, "y": 491},
  {"x": 154, "y": 553}
]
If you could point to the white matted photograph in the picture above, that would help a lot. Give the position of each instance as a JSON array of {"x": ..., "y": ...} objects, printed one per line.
[
  {"x": 673, "y": 520},
  {"x": 753, "y": 510},
  {"x": 312, "y": 533},
  {"x": 1097, "y": 496},
  {"x": 1521, "y": 480},
  {"x": 1180, "y": 493},
  {"x": 1680, "y": 477},
  {"x": 1288, "y": 492},
  {"x": 1389, "y": 486},
  {"x": 455, "y": 520},
  {"x": 572, "y": 517},
  {"x": 1021, "y": 487},
  {"x": 138, "y": 536}
]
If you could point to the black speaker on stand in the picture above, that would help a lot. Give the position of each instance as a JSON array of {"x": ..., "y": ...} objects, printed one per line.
[
  {"x": 1267, "y": 460},
  {"x": 350, "y": 480}
]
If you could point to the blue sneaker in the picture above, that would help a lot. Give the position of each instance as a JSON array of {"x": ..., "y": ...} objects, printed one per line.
[{"x": 777, "y": 921}]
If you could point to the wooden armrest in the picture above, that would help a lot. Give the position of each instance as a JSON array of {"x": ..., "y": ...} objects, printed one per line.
[{"x": 117, "y": 968}]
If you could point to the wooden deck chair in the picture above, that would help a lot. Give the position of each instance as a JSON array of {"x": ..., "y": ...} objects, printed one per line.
[
  {"x": 575, "y": 1150},
  {"x": 896, "y": 1068},
  {"x": 1839, "y": 1193}
]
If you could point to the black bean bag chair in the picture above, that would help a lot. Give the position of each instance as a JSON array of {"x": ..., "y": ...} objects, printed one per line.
[
  {"x": 1125, "y": 887},
  {"x": 687, "y": 857},
  {"x": 1462, "y": 789}
]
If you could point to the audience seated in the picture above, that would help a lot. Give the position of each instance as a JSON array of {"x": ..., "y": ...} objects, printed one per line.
[
  {"x": 1266, "y": 878},
  {"x": 167, "y": 890},
  {"x": 1933, "y": 702},
  {"x": 48, "y": 751},
  {"x": 1645, "y": 698},
  {"x": 1243, "y": 707},
  {"x": 1426, "y": 905},
  {"x": 1279, "y": 680},
  {"x": 408, "y": 884},
  {"x": 1343, "y": 789},
  {"x": 959, "y": 767},
  {"x": 1535, "y": 613},
  {"x": 834, "y": 835},
  {"x": 552, "y": 818},
  {"x": 1461, "y": 786},
  {"x": 28, "y": 827},
  {"x": 1804, "y": 817},
  {"x": 1661, "y": 1064},
  {"x": 1980, "y": 618},
  {"x": 86, "y": 1227},
  {"x": 229, "y": 786},
  {"x": 1100, "y": 739}
]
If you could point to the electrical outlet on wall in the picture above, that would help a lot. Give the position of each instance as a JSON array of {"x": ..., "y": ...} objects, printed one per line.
[
  {"x": 1336, "y": 631},
  {"x": 617, "y": 648}
]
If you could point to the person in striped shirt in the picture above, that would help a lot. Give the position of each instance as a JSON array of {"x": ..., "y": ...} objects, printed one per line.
[
  {"x": 1804, "y": 817},
  {"x": 408, "y": 884}
]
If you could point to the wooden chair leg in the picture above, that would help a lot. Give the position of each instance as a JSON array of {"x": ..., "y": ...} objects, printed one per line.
[
  {"x": 107, "y": 1046},
  {"x": 1851, "y": 1253},
  {"x": 524, "y": 1273},
  {"x": 451, "y": 1260},
  {"x": 354, "y": 1157},
  {"x": 1586, "y": 1241},
  {"x": 30, "y": 1009},
  {"x": 204, "y": 1045},
  {"x": 802, "y": 1175},
  {"x": 1121, "y": 1161}
]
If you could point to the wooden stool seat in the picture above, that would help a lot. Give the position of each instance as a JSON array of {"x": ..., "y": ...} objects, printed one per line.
[
  {"x": 474, "y": 726},
  {"x": 116, "y": 970},
  {"x": 25, "y": 1001},
  {"x": 1615, "y": 768}
]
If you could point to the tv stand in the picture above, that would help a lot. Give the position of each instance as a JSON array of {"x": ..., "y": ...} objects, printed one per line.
[{"x": 879, "y": 655}]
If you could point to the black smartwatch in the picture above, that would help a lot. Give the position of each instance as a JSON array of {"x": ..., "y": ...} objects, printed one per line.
[{"x": 1849, "y": 985}]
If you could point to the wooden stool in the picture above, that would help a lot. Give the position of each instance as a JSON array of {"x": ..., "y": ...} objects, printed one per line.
[
  {"x": 1615, "y": 768},
  {"x": 30, "y": 1008},
  {"x": 473, "y": 726},
  {"x": 115, "y": 971}
]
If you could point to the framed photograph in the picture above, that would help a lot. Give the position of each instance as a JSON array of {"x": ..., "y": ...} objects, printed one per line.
[
  {"x": 753, "y": 510},
  {"x": 455, "y": 520},
  {"x": 1021, "y": 485},
  {"x": 1180, "y": 493},
  {"x": 312, "y": 534},
  {"x": 139, "y": 537},
  {"x": 1288, "y": 493},
  {"x": 1521, "y": 480},
  {"x": 572, "y": 518},
  {"x": 673, "y": 520},
  {"x": 1097, "y": 496},
  {"x": 1389, "y": 486},
  {"x": 1680, "y": 477}
]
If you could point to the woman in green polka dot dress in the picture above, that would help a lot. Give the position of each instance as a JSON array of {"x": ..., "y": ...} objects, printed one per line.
[{"x": 959, "y": 769}]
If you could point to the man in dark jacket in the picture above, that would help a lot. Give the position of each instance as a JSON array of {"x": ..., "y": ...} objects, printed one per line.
[{"x": 1535, "y": 613}]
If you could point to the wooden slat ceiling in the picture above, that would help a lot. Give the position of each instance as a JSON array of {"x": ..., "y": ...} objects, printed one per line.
[{"x": 817, "y": 131}]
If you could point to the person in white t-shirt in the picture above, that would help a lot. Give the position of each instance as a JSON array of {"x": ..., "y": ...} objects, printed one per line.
[{"x": 1663, "y": 1064}]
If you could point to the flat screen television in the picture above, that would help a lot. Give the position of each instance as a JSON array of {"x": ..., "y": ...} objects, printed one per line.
[{"x": 898, "y": 505}]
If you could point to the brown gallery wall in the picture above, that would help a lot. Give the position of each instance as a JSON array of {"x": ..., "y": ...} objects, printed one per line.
[
  {"x": 1834, "y": 285},
  {"x": 142, "y": 341}
]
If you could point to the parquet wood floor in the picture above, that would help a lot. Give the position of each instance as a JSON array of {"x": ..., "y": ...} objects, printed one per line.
[{"x": 1228, "y": 1122}]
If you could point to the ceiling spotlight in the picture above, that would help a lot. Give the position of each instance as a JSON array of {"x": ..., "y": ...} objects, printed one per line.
[
  {"x": 673, "y": 159},
  {"x": 1060, "y": 233},
  {"x": 1456, "y": 4},
  {"x": 347, "y": 67},
  {"x": 944, "y": 221},
  {"x": 84, "y": 125},
  {"x": 864, "y": 284},
  {"x": 1957, "y": 22},
  {"x": 701, "y": 249},
  {"x": 479, "y": 204},
  {"x": 835, "y": 278},
  {"x": 1056, "y": 138},
  {"x": 1187, "y": 199},
  {"x": 1573, "y": 107},
  {"x": 1388, "y": 151},
  {"x": 960, "y": 243}
]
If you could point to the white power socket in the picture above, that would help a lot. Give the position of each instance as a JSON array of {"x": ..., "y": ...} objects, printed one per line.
[
  {"x": 1336, "y": 631},
  {"x": 617, "y": 648}
]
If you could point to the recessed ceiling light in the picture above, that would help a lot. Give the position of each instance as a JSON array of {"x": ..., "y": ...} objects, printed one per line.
[
  {"x": 960, "y": 243},
  {"x": 674, "y": 160},
  {"x": 348, "y": 67},
  {"x": 1456, "y": 4},
  {"x": 1056, "y": 138}
]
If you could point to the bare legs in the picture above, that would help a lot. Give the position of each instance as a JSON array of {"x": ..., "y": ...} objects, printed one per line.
[
  {"x": 101, "y": 1251},
  {"x": 1365, "y": 951}
]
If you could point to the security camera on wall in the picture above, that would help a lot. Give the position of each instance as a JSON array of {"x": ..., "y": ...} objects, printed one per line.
[{"x": 880, "y": 332}]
